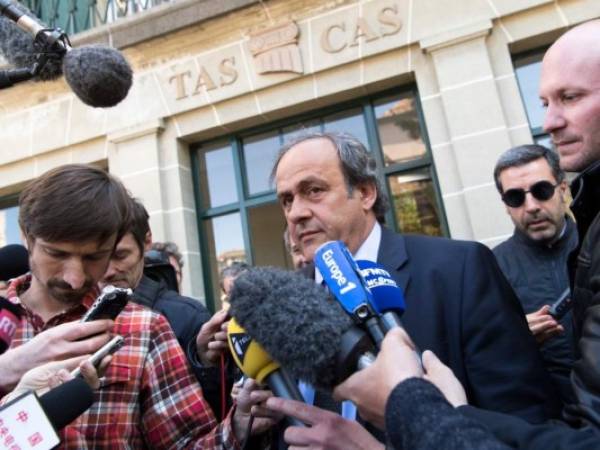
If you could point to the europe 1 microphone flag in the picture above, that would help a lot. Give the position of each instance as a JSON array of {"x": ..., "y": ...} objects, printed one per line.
[
  {"x": 343, "y": 278},
  {"x": 387, "y": 297}
]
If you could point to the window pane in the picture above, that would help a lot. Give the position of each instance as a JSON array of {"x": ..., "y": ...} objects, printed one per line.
[
  {"x": 293, "y": 131},
  {"x": 399, "y": 129},
  {"x": 9, "y": 226},
  {"x": 225, "y": 245},
  {"x": 217, "y": 176},
  {"x": 266, "y": 223},
  {"x": 544, "y": 140},
  {"x": 352, "y": 122},
  {"x": 259, "y": 155},
  {"x": 414, "y": 203},
  {"x": 528, "y": 72}
]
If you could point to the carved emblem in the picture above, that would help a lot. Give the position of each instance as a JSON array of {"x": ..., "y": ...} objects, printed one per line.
[{"x": 276, "y": 49}]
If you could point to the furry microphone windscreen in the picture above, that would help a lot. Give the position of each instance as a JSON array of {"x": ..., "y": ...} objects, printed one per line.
[
  {"x": 295, "y": 321},
  {"x": 100, "y": 76}
]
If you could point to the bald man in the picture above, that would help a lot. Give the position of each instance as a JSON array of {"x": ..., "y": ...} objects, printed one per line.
[{"x": 570, "y": 90}]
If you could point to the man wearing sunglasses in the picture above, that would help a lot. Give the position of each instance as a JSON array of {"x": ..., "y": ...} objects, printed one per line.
[{"x": 534, "y": 259}]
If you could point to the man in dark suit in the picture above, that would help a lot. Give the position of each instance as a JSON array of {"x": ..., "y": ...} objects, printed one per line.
[{"x": 458, "y": 304}]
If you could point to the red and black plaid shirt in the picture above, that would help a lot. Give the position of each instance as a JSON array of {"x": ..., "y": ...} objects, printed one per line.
[{"x": 148, "y": 397}]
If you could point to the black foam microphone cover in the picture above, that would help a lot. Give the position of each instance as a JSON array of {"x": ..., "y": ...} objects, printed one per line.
[
  {"x": 10, "y": 314},
  {"x": 67, "y": 402},
  {"x": 295, "y": 321},
  {"x": 14, "y": 261}
]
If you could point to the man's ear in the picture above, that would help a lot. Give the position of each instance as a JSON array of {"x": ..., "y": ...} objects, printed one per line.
[
  {"x": 148, "y": 241},
  {"x": 368, "y": 194}
]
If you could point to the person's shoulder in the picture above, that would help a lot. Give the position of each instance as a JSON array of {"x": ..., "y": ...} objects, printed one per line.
[
  {"x": 182, "y": 302},
  {"x": 138, "y": 316},
  {"x": 436, "y": 243}
]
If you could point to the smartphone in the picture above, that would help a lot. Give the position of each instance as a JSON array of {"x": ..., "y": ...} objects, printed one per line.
[
  {"x": 109, "y": 304},
  {"x": 561, "y": 306},
  {"x": 107, "y": 349}
]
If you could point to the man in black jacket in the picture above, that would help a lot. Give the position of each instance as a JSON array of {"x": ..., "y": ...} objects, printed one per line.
[
  {"x": 458, "y": 304},
  {"x": 185, "y": 315},
  {"x": 534, "y": 259},
  {"x": 570, "y": 89}
]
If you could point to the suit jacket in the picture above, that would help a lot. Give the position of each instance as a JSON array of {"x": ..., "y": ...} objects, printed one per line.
[{"x": 460, "y": 306}]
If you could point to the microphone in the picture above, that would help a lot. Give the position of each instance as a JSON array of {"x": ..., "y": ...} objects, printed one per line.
[
  {"x": 32, "y": 422},
  {"x": 99, "y": 75},
  {"x": 65, "y": 403},
  {"x": 10, "y": 315},
  {"x": 387, "y": 297},
  {"x": 256, "y": 363},
  {"x": 343, "y": 278},
  {"x": 299, "y": 325},
  {"x": 14, "y": 261}
]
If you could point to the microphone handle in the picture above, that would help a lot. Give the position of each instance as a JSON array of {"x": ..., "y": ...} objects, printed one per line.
[{"x": 283, "y": 386}]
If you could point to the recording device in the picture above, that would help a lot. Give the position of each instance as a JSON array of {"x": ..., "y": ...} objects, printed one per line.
[
  {"x": 99, "y": 75},
  {"x": 299, "y": 325},
  {"x": 109, "y": 348},
  {"x": 10, "y": 315},
  {"x": 32, "y": 422},
  {"x": 256, "y": 363},
  {"x": 343, "y": 278},
  {"x": 109, "y": 304},
  {"x": 562, "y": 305}
]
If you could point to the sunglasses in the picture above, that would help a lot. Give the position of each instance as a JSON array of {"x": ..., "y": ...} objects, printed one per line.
[{"x": 542, "y": 190}]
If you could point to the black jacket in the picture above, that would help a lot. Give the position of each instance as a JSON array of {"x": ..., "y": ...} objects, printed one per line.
[
  {"x": 460, "y": 306},
  {"x": 418, "y": 417},
  {"x": 538, "y": 274},
  {"x": 586, "y": 299}
]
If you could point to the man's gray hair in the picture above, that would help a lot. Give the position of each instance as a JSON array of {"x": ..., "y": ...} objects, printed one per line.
[
  {"x": 524, "y": 154},
  {"x": 357, "y": 164}
]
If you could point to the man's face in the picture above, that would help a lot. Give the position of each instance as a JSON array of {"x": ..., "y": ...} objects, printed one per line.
[
  {"x": 570, "y": 90},
  {"x": 126, "y": 264},
  {"x": 541, "y": 220},
  {"x": 315, "y": 200},
  {"x": 68, "y": 270}
]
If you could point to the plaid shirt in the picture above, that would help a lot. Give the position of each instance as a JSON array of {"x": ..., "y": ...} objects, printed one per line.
[{"x": 148, "y": 397}]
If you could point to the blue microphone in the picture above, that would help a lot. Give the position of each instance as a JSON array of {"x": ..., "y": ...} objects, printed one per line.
[
  {"x": 343, "y": 278},
  {"x": 387, "y": 297}
]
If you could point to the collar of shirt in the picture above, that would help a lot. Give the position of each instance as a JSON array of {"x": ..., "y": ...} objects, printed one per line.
[
  {"x": 367, "y": 251},
  {"x": 19, "y": 285}
]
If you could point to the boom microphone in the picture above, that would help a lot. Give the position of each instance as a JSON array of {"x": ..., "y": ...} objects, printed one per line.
[
  {"x": 256, "y": 363},
  {"x": 299, "y": 325},
  {"x": 99, "y": 75}
]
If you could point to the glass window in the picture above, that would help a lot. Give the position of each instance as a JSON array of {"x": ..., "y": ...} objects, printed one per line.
[
  {"x": 291, "y": 132},
  {"x": 217, "y": 177},
  {"x": 266, "y": 224},
  {"x": 225, "y": 242},
  {"x": 528, "y": 71},
  {"x": 260, "y": 152},
  {"x": 399, "y": 129},
  {"x": 414, "y": 202},
  {"x": 9, "y": 226},
  {"x": 352, "y": 121}
]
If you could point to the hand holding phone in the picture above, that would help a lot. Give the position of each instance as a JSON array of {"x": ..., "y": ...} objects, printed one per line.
[
  {"x": 109, "y": 304},
  {"x": 561, "y": 306},
  {"x": 107, "y": 349}
]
